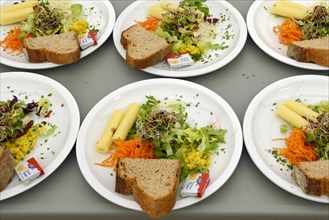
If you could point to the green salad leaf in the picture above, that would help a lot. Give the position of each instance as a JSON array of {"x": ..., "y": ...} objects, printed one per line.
[
  {"x": 196, "y": 3},
  {"x": 322, "y": 107},
  {"x": 44, "y": 129},
  {"x": 76, "y": 9}
]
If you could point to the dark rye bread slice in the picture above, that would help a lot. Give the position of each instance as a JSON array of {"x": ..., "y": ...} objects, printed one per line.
[
  {"x": 313, "y": 177},
  {"x": 7, "y": 167},
  {"x": 60, "y": 48},
  {"x": 143, "y": 48},
  {"x": 153, "y": 183},
  {"x": 315, "y": 51}
]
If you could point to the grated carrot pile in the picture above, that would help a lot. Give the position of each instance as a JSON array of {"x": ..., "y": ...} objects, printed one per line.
[
  {"x": 134, "y": 148},
  {"x": 289, "y": 32},
  {"x": 149, "y": 24},
  {"x": 13, "y": 42},
  {"x": 296, "y": 151}
]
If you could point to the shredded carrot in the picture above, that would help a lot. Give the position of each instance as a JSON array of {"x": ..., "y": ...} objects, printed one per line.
[
  {"x": 13, "y": 42},
  {"x": 296, "y": 151},
  {"x": 289, "y": 32},
  {"x": 134, "y": 148},
  {"x": 149, "y": 24}
]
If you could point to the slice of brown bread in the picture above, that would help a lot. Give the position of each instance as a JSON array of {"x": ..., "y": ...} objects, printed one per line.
[
  {"x": 313, "y": 177},
  {"x": 315, "y": 51},
  {"x": 153, "y": 182},
  {"x": 143, "y": 48},
  {"x": 61, "y": 48},
  {"x": 7, "y": 167}
]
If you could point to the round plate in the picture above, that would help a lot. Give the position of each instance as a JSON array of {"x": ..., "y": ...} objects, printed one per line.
[
  {"x": 234, "y": 24},
  {"x": 204, "y": 106},
  {"x": 100, "y": 14},
  {"x": 260, "y": 24},
  {"x": 261, "y": 126},
  {"x": 49, "y": 151}
]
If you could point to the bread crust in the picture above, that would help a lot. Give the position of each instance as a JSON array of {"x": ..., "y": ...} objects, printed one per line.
[
  {"x": 124, "y": 39},
  {"x": 150, "y": 60},
  {"x": 309, "y": 183},
  {"x": 154, "y": 206},
  {"x": 129, "y": 43},
  {"x": 123, "y": 183},
  {"x": 42, "y": 54},
  {"x": 307, "y": 53},
  {"x": 7, "y": 167}
]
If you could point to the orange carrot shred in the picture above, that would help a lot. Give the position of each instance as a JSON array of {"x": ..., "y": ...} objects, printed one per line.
[
  {"x": 134, "y": 148},
  {"x": 289, "y": 32},
  {"x": 12, "y": 42},
  {"x": 296, "y": 151},
  {"x": 149, "y": 24}
]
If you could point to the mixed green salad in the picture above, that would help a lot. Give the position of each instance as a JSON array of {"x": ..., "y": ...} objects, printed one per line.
[
  {"x": 18, "y": 131},
  {"x": 49, "y": 21},
  {"x": 165, "y": 125},
  {"x": 189, "y": 28}
]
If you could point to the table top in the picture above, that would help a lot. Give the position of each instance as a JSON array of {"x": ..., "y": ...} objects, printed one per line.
[{"x": 247, "y": 194}]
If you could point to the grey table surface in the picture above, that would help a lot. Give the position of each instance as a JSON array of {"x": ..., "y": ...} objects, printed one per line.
[{"x": 248, "y": 194}]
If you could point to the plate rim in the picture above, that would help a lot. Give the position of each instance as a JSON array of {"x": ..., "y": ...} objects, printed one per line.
[
  {"x": 251, "y": 16},
  {"x": 70, "y": 141},
  {"x": 105, "y": 193},
  {"x": 243, "y": 34},
  {"x": 251, "y": 147},
  {"x": 48, "y": 65}
]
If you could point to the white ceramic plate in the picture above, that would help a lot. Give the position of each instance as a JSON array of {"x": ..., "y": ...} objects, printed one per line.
[
  {"x": 100, "y": 14},
  {"x": 211, "y": 105},
  {"x": 261, "y": 125},
  {"x": 260, "y": 24},
  {"x": 137, "y": 11},
  {"x": 49, "y": 151}
]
